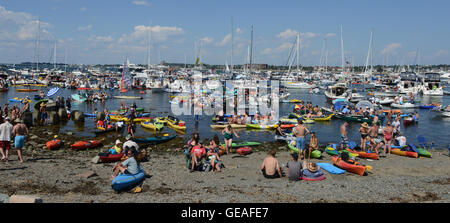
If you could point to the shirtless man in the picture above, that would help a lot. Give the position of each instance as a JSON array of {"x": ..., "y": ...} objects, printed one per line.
[
  {"x": 270, "y": 167},
  {"x": 300, "y": 131},
  {"x": 344, "y": 135},
  {"x": 373, "y": 134},
  {"x": 18, "y": 133}
]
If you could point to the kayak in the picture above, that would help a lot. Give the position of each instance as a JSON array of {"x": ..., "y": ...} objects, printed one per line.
[
  {"x": 181, "y": 125},
  {"x": 243, "y": 144},
  {"x": 154, "y": 140},
  {"x": 330, "y": 150},
  {"x": 81, "y": 145},
  {"x": 292, "y": 101},
  {"x": 373, "y": 156},
  {"x": 427, "y": 106},
  {"x": 323, "y": 118},
  {"x": 331, "y": 168},
  {"x": 244, "y": 150},
  {"x": 128, "y": 97},
  {"x": 420, "y": 151},
  {"x": 92, "y": 115},
  {"x": 287, "y": 126},
  {"x": 408, "y": 121},
  {"x": 353, "y": 168},
  {"x": 53, "y": 144},
  {"x": 111, "y": 158},
  {"x": 20, "y": 100},
  {"x": 316, "y": 154},
  {"x": 26, "y": 90},
  {"x": 289, "y": 120},
  {"x": 103, "y": 130},
  {"x": 404, "y": 153},
  {"x": 84, "y": 89},
  {"x": 124, "y": 182},
  {"x": 38, "y": 103},
  {"x": 157, "y": 126},
  {"x": 235, "y": 126},
  {"x": 295, "y": 116},
  {"x": 308, "y": 121},
  {"x": 258, "y": 126}
]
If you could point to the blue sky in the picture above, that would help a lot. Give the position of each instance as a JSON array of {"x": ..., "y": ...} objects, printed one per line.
[{"x": 101, "y": 31}]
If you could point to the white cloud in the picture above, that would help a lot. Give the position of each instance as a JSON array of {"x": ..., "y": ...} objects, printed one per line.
[
  {"x": 18, "y": 26},
  {"x": 159, "y": 33},
  {"x": 389, "y": 48},
  {"x": 283, "y": 47},
  {"x": 330, "y": 35},
  {"x": 144, "y": 3},
  {"x": 101, "y": 39},
  {"x": 83, "y": 9},
  {"x": 207, "y": 40},
  {"x": 287, "y": 34},
  {"x": 225, "y": 40},
  {"x": 85, "y": 28}
]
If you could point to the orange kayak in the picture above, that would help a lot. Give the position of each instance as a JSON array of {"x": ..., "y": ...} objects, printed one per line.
[
  {"x": 287, "y": 126},
  {"x": 54, "y": 144},
  {"x": 353, "y": 168},
  {"x": 80, "y": 145},
  {"x": 26, "y": 90},
  {"x": 373, "y": 156},
  {"x": 404, "y": 153},
  {"x": 395, "y": 111}
]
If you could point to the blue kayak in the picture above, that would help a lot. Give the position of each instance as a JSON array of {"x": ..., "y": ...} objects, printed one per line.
[
  {"x": 90, "y": 115},
  {"x": 124, "y": 182},
  {"x": 154, "y": 140}
]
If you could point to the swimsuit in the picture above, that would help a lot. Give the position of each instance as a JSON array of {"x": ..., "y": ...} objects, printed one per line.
[
  {"x": 19, "y": 141},
  {"x": 388, "y": 136},
  {"x": 228, "y": 135}
]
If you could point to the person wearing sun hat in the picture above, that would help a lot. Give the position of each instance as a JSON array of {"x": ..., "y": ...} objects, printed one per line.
[
  {"x": 311, "y": 170},
  {"x": 116, "y": 149},
  {"x": 364, "y": 130}
]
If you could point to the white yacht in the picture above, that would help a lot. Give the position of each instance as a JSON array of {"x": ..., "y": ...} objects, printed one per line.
[
  {"x": 408, "y": 83},
  {"x": 432, "y": 85},
  {"x": 299, "y": 85},
  {"x": 336, "y": 91}
]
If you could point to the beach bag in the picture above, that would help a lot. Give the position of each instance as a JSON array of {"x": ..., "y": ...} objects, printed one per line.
[{"x": 206, "y": 167}]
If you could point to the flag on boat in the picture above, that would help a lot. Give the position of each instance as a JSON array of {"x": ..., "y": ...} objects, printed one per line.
[{"x": 52, "y": 91}]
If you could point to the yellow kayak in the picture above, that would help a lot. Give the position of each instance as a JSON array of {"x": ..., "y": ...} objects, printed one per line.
[
  {"x": 320, "y": 118},
  {"x": 181, "y": 127},
  {"x": 125, "y": 119},
  {"x": 224, "y": 126}
]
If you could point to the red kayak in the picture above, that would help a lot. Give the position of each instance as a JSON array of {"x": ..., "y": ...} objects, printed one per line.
[
  {"x": 287, "y": 126},
  {"x": 353, "y": 168},
  {"x": 83, "y": 88},
  {"x": 244, "y": 150},
  {"x": 54, "y": 144},
  {"x": 80, "y": 145},
  {"x": 111, "y": 158},
  {"x": 373, "y": 156}
]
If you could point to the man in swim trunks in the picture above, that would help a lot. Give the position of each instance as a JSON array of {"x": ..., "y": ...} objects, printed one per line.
[
  {"x": 300, "y": 131},
  {"x": 270, "y": 167},
  {"x": 18, "y": 133},
  {"x": 373, "y": 134},
  {"x": 344, "y": 135}
]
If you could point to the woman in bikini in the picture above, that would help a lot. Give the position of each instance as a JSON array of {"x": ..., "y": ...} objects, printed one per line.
[
  {"x": 228, "y": 135},
  {"x": 364, "y": 130},
  {"x": 388, "y": 132}
]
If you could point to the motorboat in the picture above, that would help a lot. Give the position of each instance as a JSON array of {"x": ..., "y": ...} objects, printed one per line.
[
  {"x": 337, "y": 91},
  {"x": 432, "y": 85}
]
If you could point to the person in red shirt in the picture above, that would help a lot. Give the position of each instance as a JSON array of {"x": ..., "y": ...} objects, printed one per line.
[{"x": 197, "y": 154}]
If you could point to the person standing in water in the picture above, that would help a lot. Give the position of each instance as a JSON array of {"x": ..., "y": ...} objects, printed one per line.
[{"x": 228, "y": 135}]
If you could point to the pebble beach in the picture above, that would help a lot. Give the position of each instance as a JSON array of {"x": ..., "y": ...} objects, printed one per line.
[{"x": 65, "y": 176}]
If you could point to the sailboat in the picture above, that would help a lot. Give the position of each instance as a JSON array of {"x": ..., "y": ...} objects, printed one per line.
[{"x": 126, "y": 84}]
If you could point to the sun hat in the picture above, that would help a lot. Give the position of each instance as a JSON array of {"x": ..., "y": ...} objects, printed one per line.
[
  {"x": 312, "y": 167},
  {"x": 118, "y": 141},
  {"x": 365, "y": 125}
]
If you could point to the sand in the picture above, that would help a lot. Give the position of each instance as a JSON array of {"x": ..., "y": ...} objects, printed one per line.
[{"x": 55, "y": 176}]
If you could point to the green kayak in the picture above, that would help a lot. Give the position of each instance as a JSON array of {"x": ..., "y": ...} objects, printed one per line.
[
  {"x": 424, "y": 152},
  {"x": 314, "y": 154},
  {"x": 243, "y": 144}
]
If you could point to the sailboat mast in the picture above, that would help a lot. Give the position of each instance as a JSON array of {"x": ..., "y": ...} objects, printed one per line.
[
  {"x": 342, "y": 52},
  {"x": 251, "y": 50},
  {"x": 54, "y": 57},
  {"x": 232, "y": 42},
  {"x": 298, "y": 51},
  {"x": 37, "y": 45}
]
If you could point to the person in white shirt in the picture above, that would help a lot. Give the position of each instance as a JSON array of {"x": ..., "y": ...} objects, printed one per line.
[{"x": 5, "y": 138}]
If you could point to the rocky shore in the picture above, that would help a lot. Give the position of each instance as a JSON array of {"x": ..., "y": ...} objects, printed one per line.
[{"x": 70, "y": 176}]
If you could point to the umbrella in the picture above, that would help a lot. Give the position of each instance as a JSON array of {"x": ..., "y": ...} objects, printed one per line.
[
  {"x": 339, "y": 100},
  {"x": 52, "y": 91},
  {"x": 364, "y": 104}
]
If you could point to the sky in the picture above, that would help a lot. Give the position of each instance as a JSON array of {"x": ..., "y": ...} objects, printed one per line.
[{"x": 109, "y": 31}]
